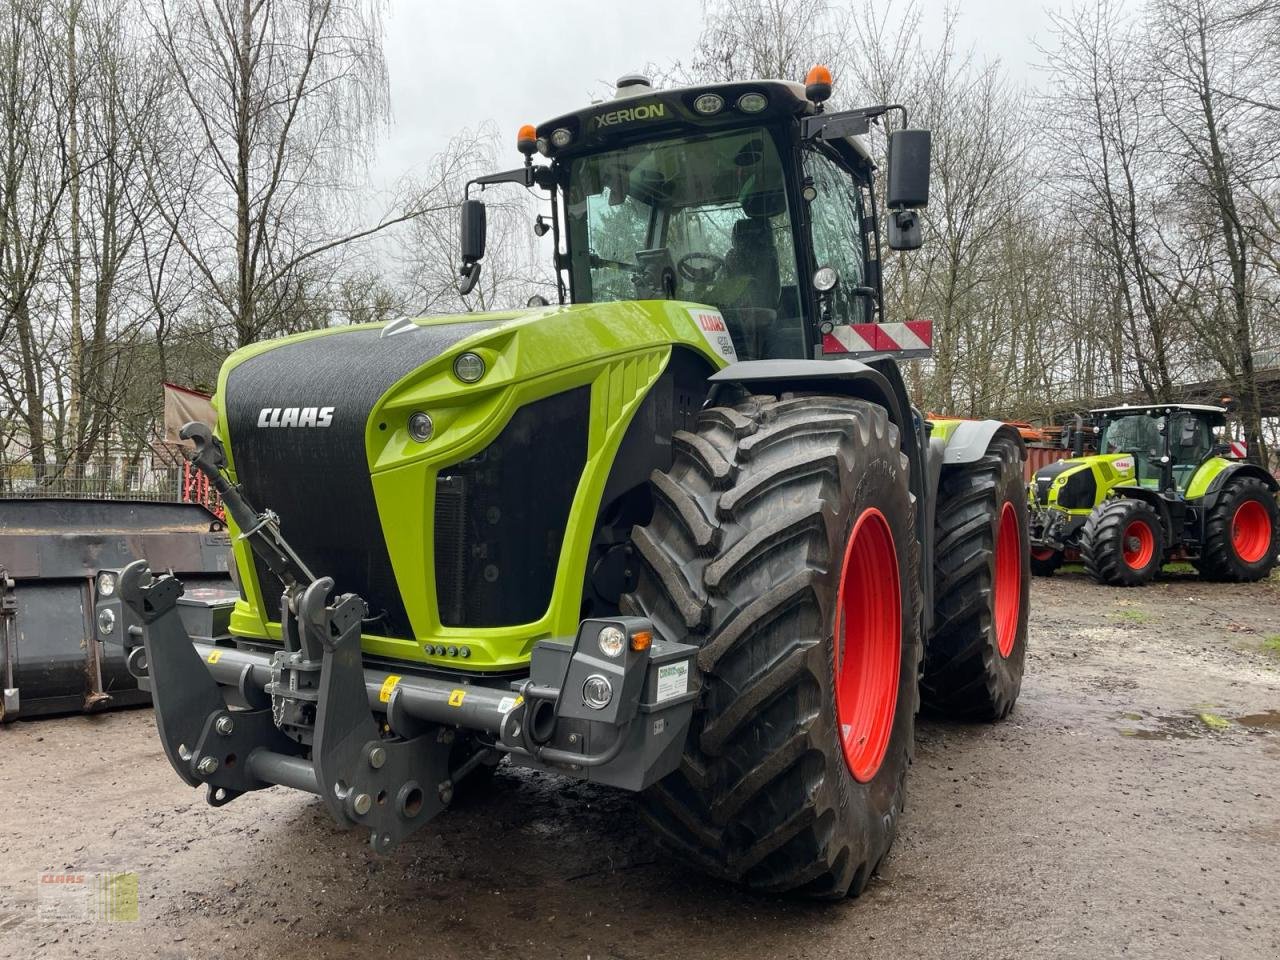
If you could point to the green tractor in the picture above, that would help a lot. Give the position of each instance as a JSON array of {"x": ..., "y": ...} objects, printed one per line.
[
  {"x": 680, "y": 533},
  {"x": 1159, "y": 489}
]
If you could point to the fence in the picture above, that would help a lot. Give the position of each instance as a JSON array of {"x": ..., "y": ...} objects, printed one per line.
[{"x": 117, "y": 479}]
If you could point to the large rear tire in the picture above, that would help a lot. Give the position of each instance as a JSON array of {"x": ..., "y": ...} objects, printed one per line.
[
  {"x": 1241, "y": 532},
  {"x": 974, "y": 659},
  {"x": 1122, "y": 543},
  {"x": 782, "y": 543}
]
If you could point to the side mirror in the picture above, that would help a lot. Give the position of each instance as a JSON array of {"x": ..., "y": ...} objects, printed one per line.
[
  {"x": 908, "y": 186},
  {"x": 472, "y": 243},
  {"x": 905, "y": 230}
]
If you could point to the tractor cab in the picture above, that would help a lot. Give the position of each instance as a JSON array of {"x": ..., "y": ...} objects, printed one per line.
[
  {"x": 748, "y": 198},
  {"x": 1168, "y": 442}
]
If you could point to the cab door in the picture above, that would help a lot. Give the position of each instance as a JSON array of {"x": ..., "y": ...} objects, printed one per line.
[{"x": 837, "y": 235}]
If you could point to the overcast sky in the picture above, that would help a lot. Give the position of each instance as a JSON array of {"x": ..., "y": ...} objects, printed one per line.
[{"x": 456, "y": 64}]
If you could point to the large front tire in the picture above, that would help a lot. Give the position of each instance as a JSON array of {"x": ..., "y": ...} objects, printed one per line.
[
  {"x": 783, "y": 544},
  {"x": 974, "y": 659},
  {"x": 1241, "y": 533},
  {"x": 1122, "y": 543}
]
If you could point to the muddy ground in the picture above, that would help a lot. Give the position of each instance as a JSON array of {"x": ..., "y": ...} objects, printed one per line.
[{"x": 1130, "y": 807}]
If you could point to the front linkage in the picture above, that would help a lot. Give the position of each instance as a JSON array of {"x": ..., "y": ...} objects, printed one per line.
[{"x": 378, "y": 747}]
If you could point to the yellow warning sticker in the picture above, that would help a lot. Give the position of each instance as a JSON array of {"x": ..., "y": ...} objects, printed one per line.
[
  {"x": 388, "y": 685},
  {"x": 456, "y": 698},
  {"x": 215, "y": 656}
]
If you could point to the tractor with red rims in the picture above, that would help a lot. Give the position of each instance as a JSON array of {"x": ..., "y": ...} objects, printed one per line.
[
  {"x": 1163, "y": 486},
  {"x": 679, "y": 532}
]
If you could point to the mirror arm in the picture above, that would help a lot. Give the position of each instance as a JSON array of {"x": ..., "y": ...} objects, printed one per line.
[
  {"x": 526, "y": 176},
  {"x": 846, "y": 123}
]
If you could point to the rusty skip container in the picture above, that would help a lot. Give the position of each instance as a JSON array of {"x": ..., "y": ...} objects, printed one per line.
[{"x": 52, "y": 658}]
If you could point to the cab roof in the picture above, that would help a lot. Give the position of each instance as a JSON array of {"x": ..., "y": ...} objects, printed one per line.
[
  {"x": 1160, "y": 408},
  {"x": 642, "y": 112}
]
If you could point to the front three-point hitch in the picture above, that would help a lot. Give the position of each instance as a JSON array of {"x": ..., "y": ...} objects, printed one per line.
[{"x": 611, "y": 704}]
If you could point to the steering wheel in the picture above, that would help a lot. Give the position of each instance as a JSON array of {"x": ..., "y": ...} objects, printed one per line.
[{"x": 690, "y": 270}]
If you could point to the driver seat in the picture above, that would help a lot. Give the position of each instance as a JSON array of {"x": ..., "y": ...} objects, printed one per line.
[
  {"x": 753, "y": 284},
  {"x": 752, "y": 263}
]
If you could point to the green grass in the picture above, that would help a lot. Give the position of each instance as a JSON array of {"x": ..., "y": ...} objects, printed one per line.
[
  {"x": 1132, "y": 615},
  {"x": 1215, "y": 722},
  {"x": 1272, "y": 644}
]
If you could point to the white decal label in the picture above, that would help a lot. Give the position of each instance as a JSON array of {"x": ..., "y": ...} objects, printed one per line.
[
  {"x": 673, "y": 680},
  {"x": 712, "y": 325},
  {"x": 1123, "y": 465}
]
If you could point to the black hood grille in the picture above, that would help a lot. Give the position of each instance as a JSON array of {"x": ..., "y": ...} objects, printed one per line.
[{"x": 317, "y": 478}]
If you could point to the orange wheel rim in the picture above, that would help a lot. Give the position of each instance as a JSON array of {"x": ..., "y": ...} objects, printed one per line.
[
  {"x": 1139, "y": 543},
  {"x": 868, "y": 647},
  {"x": 1008, "y": 585},
  {"x": 1251, "y": 531}
]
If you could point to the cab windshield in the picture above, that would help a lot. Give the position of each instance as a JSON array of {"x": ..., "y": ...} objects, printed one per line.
[{"x": 701, "y": 218}]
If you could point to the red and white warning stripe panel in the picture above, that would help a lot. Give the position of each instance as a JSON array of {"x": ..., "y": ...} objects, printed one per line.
[
  {"x": 911, "y": 339},
  {"x": 1239, "y": 450}
]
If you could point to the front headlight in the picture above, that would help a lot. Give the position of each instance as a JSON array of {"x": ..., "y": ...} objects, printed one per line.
[
  {"x": 106, "y": 621},
  {"x": 106, "y": 584}
]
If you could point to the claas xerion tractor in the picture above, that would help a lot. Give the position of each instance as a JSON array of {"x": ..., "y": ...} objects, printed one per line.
[
  {"x": 680, "y": 532},
  {"x": 1160, "y": 488}
]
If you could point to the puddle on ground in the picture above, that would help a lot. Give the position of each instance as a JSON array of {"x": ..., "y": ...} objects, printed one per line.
[
  {"x": 1268, "y": 720},
  {"x": 1189, "y": 726}
]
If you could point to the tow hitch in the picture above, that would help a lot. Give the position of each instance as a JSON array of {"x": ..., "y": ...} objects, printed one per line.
[{"x": 611, "y": 705}]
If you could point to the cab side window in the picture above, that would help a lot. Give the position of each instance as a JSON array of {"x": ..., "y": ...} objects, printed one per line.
[{"x": 835, "y": 216}]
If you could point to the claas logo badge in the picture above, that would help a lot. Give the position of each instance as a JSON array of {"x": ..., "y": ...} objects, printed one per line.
[
  {"x": 644, "y": 111},
  {"x": 295, "y": 416}
]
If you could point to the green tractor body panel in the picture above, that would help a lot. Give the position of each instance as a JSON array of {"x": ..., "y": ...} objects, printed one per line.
[
  {"x": 1205, "y": 474},
  {"x": 1078, "y": 484},
  {"x": 608, "y": 355}
]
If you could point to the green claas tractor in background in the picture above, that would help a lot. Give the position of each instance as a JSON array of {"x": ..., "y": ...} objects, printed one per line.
[
  {"x": 1160, "y": 488},
  {"x": 675, "y": 533}
]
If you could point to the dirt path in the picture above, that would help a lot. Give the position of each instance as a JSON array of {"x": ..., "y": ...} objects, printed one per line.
[{"x": 1129, "y": 808}]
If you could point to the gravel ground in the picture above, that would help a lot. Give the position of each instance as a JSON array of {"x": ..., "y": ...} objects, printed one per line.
[{"x": 1128, "y": 808}]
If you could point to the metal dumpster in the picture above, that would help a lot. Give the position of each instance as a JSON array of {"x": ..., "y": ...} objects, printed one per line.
[{"x": 52, "y": 659}]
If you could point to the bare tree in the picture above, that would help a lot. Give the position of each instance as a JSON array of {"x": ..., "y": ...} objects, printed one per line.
[
  {"x": 283, "y": 100},
  {"x": 514, "y": 267},
  {"x": 1197, "y": 50},
  {"x": 33, "y": 182},
  {"x": 743, "y": 39}
]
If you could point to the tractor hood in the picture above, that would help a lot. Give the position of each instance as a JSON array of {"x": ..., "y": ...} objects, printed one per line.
[
  {"x": 1073, "y": 483},
  {"x": 445, "y": 501}
]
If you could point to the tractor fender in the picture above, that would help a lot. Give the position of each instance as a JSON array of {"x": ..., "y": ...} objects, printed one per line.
[
  {"x": 970, "y": 439},
  {"x": 846, "y": 376},
  {"x": 1158, "y": 502},
  {"x": 1218, "y": 483}
]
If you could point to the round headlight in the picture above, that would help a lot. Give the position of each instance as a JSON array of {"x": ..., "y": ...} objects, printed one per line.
[
  {"x": 597, "y": 692},
  {"x": 469, "y": 367},
  {"x": 752, "y": 102},
  {"x": 612, "y": 641},
  {"x": 106, "y": 584},
  {"x": 560, "y": 137},
  {"x": 421, "y": 427},
  {"x": 708, "y": 104},
  {"x": 825, "y": 279},
  {"x": 106, "y": 621},
  {"x": 544, "y": 148}
]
